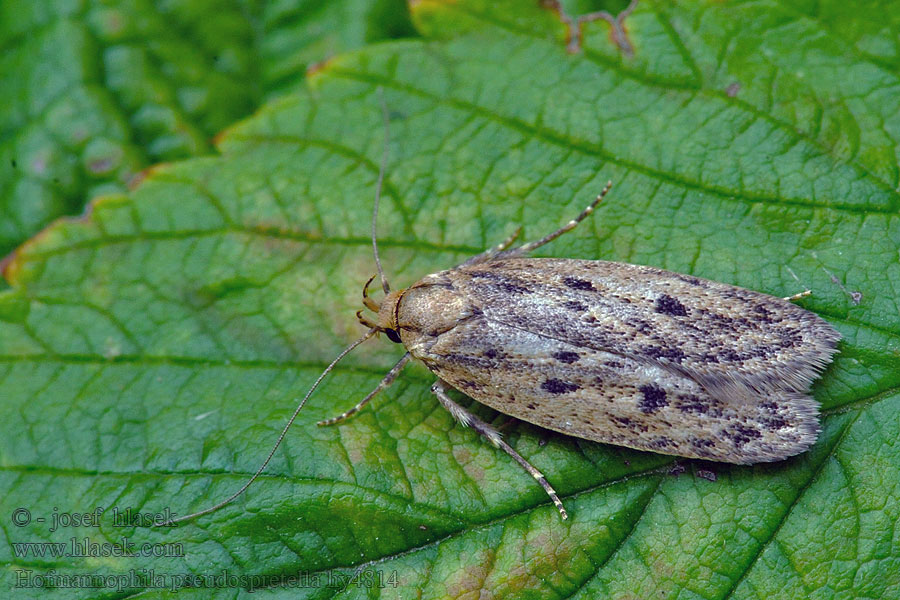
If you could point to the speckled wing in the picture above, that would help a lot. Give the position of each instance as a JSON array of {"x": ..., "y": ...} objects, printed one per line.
[
  {"x": 607, "y": 397},
  {"x": 726, "y": 338},
  {"x": 635, "y": 356}
]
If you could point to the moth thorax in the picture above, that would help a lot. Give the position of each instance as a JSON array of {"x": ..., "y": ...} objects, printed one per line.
[{"x": 431, "y": 309}]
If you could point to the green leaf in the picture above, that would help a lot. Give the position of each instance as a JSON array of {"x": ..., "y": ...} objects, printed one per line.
[
  {"x": 95, "y": 91},
  {"x": 151, "y": 352}
]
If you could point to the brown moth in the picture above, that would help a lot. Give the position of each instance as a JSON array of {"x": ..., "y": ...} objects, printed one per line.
[
  {"x": 614, "y": 353},
  {"x": 605, "y": 351}
]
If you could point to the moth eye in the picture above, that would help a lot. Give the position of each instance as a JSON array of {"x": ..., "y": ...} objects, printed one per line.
[{"x": 393, "y": 336}]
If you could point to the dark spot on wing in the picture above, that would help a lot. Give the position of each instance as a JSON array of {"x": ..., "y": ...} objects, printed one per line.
[
  {"x": 730, "y": 355},
  {"x": 668, "y": 305},
  {"x": 660, "y": 443},
  {"x": 672, "y": 354},
  {"x": 509, "y": 285},
  {"x": 626, "y": 423},
  {"x": 654, "y": 398},
  {"x": 566, "y": 357},
  {"x": 512, "y": 288},
  {"x": 574, "y": 305},
  {"x": 702, "y": 446},
  {"x": 642, "y": 327},
  {"x": 693, "y": 404},
  {"x": 558, "y": 386},
  {"x": 741, "y": 434},
  {"x": 790, "y": 338},
  {"x": 776, "y": 423},
  {"x": 577, "y": 284},
  {"x": 490, "y": 353},
  {"x": 689, "y": 279},
  {"x": 469, "y": 360},
  {"x": 763, "y": 313}
]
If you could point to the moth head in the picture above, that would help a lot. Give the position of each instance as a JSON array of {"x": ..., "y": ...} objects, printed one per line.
[{"x": 385, "y": 312}]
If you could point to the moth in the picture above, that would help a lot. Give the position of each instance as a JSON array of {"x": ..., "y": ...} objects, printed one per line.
[{"x": 605, "y": 351}]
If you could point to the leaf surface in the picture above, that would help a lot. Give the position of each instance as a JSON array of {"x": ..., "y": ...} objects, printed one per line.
[
  {"x": 151, "y": 352},
  {"x": 94, "y": 92}
]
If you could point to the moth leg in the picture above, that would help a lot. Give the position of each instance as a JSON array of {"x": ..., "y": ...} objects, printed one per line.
[
  {"x": 797, "y": 296},
  {"x": 530, "y": 246},
  {"x": 467, "y": 419},
  {"x": 388, "y": 380},
  {"x": 492, "y": 252}
]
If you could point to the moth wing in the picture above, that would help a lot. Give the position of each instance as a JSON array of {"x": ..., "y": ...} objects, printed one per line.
[
  {"x": 730, "y": 340},
  {"x": 610, "y": 398}
]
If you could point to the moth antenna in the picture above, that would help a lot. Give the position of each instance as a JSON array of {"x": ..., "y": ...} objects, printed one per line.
[
  {"x": 284, "y": 431},
  {"x": 384, "y": 155}
]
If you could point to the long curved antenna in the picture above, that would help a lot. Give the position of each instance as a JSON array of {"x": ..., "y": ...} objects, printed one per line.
[
  {"x": 384, "y": 155},
  {"x": 284, "y": 431}
]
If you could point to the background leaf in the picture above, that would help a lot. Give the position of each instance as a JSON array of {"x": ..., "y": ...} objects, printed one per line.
[
  {"x": 150, "y": 353},
  {"x": 96, "y": 91}
]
